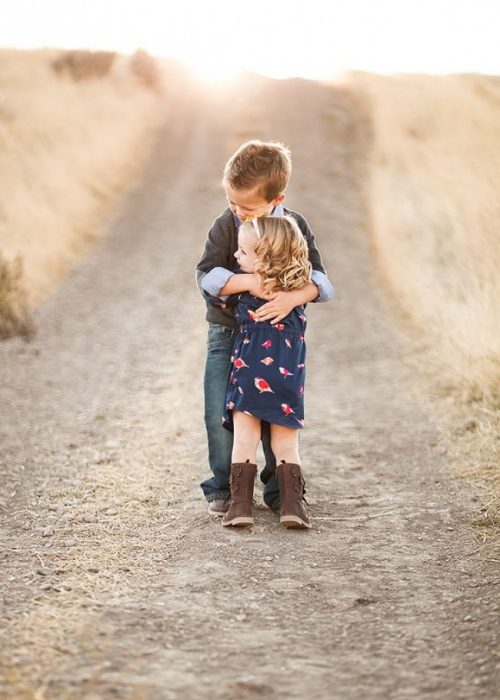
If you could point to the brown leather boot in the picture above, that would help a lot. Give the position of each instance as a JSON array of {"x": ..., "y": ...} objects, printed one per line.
[
  {"x": 291, "y": 481},
  {"x": 241, "y": 482}
]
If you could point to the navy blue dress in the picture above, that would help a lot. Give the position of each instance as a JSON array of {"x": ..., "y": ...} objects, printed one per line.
[{"x": 268, "y": 366}]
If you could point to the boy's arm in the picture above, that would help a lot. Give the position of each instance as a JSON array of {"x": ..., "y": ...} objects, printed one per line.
[
  {"x": 212, "y": 271},
  {"x": 283, "y": 302},
  {"x": 325, "y": 289}
]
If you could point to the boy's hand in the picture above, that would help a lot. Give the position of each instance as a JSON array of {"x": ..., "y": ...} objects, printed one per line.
[
  {"x": 283, "y": 302},
  {"x": 279, "y": 307}
]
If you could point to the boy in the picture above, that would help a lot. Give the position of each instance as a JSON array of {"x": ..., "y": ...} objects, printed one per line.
[{"x": 255, "y": 179}]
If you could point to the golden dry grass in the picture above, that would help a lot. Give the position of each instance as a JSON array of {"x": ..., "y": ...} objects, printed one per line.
[
  {"x": 75, "y": 129},
  {"x": 434, "y": 192},
  {"x": 14, "y": 311},
  {"x": 434, "y": 183}
]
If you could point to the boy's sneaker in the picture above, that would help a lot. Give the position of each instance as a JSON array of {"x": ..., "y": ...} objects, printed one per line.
[
  {"x": 274, "y": 505},
  {"x": 219, "y": 506}
]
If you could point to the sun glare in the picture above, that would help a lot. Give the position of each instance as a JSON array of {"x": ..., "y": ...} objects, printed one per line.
[
  {"x": 212, "y": 72},
  {"x": 286, "y": 38}
]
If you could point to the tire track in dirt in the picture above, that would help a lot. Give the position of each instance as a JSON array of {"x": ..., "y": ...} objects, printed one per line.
[{"x": 118, "y": 583}]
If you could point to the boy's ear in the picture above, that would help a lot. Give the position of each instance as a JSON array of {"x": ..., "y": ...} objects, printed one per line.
[{"x": 278, "y": 199}]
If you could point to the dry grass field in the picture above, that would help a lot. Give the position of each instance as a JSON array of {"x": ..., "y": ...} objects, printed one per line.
[
  {"x": 75, "y": 128},
  {"x": 434, "y": 183},
  {"x": 434, "y": 198}
]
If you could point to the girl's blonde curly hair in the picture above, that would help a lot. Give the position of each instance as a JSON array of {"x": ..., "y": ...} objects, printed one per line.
[{"x": 282, "y": 253}]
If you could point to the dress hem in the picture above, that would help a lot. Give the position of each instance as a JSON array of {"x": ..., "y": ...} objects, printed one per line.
[{"x": 229, "y": 425}]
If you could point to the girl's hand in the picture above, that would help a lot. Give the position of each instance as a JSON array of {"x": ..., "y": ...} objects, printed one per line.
[
  {"x": 257, "y": 289},
  {"x": 279, "y": 307}
]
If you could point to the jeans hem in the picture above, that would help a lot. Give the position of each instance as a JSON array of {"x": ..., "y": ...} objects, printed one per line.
[{"x": 218, "y": 496}]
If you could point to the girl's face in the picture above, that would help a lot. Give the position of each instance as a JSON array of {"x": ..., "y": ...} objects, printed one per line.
[{"x": 245, "y": 255}]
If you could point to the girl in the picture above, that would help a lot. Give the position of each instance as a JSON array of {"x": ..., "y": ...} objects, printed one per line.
[{"x": 267, "y": 377}]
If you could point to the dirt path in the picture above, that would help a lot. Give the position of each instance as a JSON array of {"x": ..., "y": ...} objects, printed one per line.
[{"x": 118, "y": 584}]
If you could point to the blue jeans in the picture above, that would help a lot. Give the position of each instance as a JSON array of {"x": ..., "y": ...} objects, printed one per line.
[{"x": 220, "y": 440}]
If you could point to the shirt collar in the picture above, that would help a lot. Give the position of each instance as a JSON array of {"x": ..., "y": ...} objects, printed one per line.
[{"x": 277, "y": 211}]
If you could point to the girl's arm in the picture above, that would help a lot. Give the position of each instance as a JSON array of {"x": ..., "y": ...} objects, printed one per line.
[
  {"x": 237, "y": 283},
  {"x": 245, "y": 282}
]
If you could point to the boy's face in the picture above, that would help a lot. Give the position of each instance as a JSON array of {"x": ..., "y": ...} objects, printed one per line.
[
  {"x": 245, "y": 255},
  {"x": 248, "y": 204}
]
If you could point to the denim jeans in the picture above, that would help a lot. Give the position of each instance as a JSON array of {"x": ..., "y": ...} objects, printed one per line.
[{"x": 220, "y": 440}]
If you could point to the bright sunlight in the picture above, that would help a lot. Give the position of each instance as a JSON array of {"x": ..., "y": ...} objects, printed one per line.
[{"x": 282, "y": 39}]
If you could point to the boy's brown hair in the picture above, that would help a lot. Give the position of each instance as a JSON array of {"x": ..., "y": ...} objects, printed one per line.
[{"x": 266, "y": 165}]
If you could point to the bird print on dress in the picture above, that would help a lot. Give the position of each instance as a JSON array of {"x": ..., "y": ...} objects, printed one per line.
[
  {"x": 268, "y": 366},
  {"x": 239, "y": 363},
  {"x": 262, "y": 385}
]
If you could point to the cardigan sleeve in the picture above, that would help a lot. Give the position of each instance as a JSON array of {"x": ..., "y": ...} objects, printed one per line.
[{"x": 326, "y": 290}]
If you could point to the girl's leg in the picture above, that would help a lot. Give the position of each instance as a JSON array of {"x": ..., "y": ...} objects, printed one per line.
[
  {"x": 243, "y": 469},
  {"x": 285, "y": 444},
  {"x": 246, "y": 437}
]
